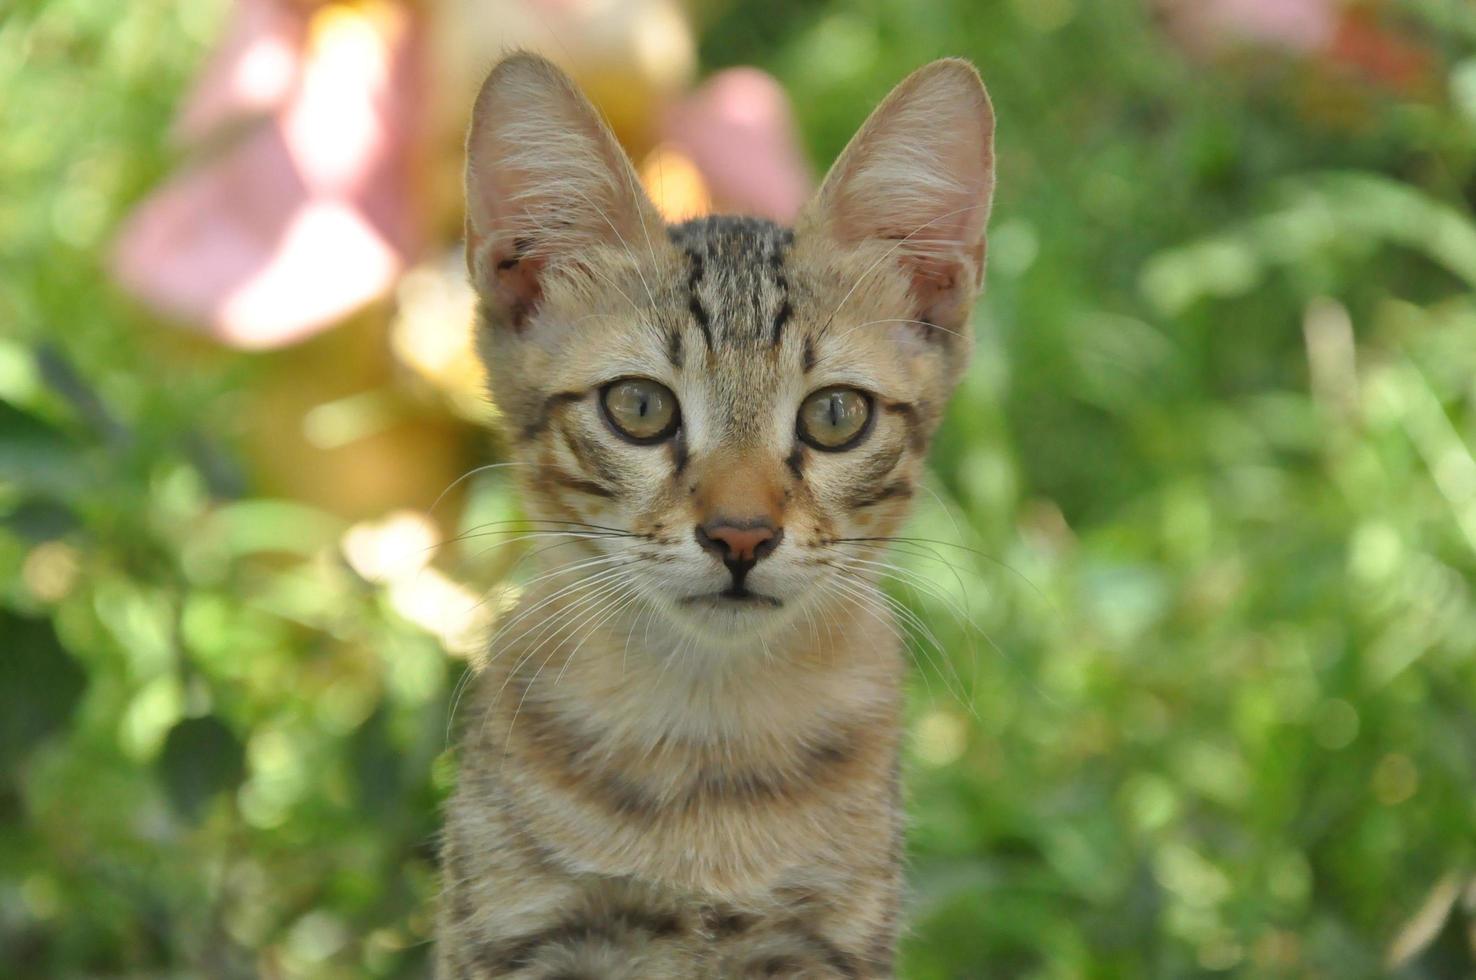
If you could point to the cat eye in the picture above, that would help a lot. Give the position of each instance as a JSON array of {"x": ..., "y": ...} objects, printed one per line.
[
  {"x": 834, "y": 419},
  {"x": 640, "y": 410}
]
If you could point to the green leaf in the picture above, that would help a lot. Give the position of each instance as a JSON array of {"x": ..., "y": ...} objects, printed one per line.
[
  {"x": 201, "y": 758},
  {"x": 41, "y": 688}
]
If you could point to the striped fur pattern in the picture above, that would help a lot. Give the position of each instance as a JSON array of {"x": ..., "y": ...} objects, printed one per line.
[{"x": 672, "y": 769}]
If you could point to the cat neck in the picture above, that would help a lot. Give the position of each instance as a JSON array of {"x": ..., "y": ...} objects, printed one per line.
[{"x": 638, "y": 671}]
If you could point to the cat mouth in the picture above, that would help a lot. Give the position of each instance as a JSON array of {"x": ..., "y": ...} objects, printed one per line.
[{"x": 730, "y": 597}]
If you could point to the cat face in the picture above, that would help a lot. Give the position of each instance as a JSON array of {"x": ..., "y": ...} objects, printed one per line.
[{"x": 725, "y": 405}]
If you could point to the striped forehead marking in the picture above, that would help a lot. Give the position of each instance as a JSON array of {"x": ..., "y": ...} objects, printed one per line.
[{"x": 737, "y": 284}]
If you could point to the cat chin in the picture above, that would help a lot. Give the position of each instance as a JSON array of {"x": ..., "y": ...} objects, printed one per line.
[{"x": 726, "y": 620}]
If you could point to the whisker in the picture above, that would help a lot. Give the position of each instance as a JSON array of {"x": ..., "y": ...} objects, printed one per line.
[
  {"x": 607, "y": 570},
  {"x": 551, "y": 629},
  {"x": 982, "y": 555},
  {"x": 632, "y": 595},
  {"x": 562, "y": 569},
  {"x": 648, "y": 613},
  {"x": 600, "y": 611},
  {"x": 906, "y": 239},
  {"x": 927, "y": 552},
  {"x": 911, "y": 580},
  {"x": 535, "y": 553},
  {"x": 920, "y": 323},
  {"x": 503, "y": 627},
  {"x": 912, "y": 619},
  {"x": 536, "y": 523},
  {"x": 635, "y": 262},
  {"x": 914, "y": 622},
  {"x": 468, "y": 475},
  {"x": 866, "y": 600},
  {"x": 569, "y": 538}
]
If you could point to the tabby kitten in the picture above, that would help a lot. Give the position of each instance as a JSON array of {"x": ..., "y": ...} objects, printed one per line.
[{"x": 682, "y": 754}]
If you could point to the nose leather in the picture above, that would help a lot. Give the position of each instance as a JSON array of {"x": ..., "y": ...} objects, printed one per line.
[{"x": 739, "y": 543}]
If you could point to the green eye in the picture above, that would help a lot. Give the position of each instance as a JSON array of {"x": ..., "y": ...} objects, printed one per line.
[
  {"x": 640, "y": 409},
  {"x": 834, "y": 419}
]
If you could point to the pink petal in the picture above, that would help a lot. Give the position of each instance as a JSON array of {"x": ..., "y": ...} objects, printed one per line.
[
  {"x": 1209, "y": 25},
  {"x": 739, "y": 130},
  {"x": 338, "y": 125},
  {"x": 329, "y": 262},
  {"x": 243, "y": 248},
  {"x": 304, "y": 220},
  {"x": 252, "y": 70}
]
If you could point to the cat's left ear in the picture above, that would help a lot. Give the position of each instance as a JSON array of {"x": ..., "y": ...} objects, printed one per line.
[
  {"x": 919, "y": 177},
  {"x": 546, "y": 183}
]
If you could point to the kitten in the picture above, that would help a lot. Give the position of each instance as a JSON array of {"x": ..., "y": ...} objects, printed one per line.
[{"x": 682, "y": 756}]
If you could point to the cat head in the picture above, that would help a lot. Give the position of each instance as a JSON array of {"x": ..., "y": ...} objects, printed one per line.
[{"x": 731, "y": 409}]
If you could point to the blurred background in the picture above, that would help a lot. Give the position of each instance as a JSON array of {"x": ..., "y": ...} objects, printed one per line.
[{"x": 1195, "y": 630}]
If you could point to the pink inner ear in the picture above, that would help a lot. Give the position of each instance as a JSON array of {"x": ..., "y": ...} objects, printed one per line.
[
  {"x": 545, "y": 179},
  {"x": 518, "y": 286},
  {"x": 919, "y": 176},
  {"x": 944, "y": 283}
]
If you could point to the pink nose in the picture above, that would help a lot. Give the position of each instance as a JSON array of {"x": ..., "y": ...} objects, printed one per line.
[{"x": 739, "y": 541}]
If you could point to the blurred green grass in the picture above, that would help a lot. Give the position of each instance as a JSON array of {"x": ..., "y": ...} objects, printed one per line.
[{"x": 1213, "y": 709}]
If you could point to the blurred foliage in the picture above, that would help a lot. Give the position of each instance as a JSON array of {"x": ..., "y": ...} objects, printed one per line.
[{"x": 1197, "y": 681}]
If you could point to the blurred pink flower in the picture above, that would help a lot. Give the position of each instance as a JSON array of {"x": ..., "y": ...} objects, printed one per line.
[
  {"x": 1297, "y": 25},
  {"x": 252, "y": 71},
  {"x": 307, "y": 217},
  {"x": 307, "y": 213},
  {"x": 1346, "y": 36},
  {"x": 740, "y": 132},
  {"x": 1381, "y": 54}
]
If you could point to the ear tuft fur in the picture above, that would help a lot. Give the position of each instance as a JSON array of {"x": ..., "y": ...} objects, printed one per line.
[
  {"x": 545, "y": 182},
  {"x": 920, "y": 175}
]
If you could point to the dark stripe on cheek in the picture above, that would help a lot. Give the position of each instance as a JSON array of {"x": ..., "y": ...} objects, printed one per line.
[
  {"x": 590, "y": 455},
  {"x": 581, "y": 485},
  {"x": 868, "y": 483},
  {"x": 679, "y": 452},
  {"x": 896, "y": 490},
  {"x": 674, "y": 349},
  {"x": 547, "y": 410},
  {"x": 809, "y": 356},
  {"x": 910, "y": 417},
  {"x": 575, "y": 449},
  {"x": 880, "y": 465},
  {"x": 796, "y": 462}
]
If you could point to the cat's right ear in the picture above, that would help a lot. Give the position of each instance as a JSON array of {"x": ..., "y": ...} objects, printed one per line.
[
  {"x": 546, "y": 182},
  {"x": 919, "y": 178}
]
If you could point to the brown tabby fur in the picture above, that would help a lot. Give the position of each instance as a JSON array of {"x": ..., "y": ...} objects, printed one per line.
[{"x": 657, "y": 783}]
